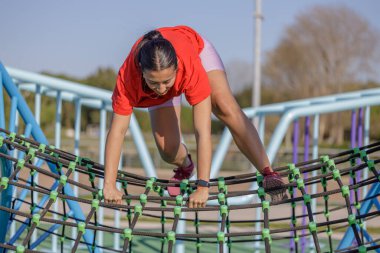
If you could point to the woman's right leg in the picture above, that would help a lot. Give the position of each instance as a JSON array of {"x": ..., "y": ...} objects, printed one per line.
[{"x": 165, "y": 123}]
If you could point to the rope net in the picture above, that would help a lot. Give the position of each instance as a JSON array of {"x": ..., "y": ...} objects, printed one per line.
[{"x": 300, "y": 221}]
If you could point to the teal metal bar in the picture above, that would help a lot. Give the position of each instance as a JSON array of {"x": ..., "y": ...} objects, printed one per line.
[
  {"x": 2, "y": 107},
  {"x": 5, "y": 195}
]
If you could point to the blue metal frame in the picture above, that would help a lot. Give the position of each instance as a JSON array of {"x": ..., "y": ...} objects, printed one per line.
[
  {"x": 38, "y": 135},
  {"x": 6, "y": 195},
  {"x": 349, "y": 237}
]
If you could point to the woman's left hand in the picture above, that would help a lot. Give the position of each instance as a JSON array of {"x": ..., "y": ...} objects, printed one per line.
[{"x": 199, "y": 197}]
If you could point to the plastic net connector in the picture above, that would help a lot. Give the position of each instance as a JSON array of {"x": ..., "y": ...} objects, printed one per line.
[
  {"x": 324, "y": 158},
  {"x": 261, "y": 192},
  {"x": 149, "y": 184},
  {"x": 351, "y": 219},
  {"x": 265, "y": 205},
  {"x": 300, "y": 183},
  {"x": 221, "y": 237},
  {"x": 20, "y": 249},
  {"x": 4, "y": 183},
  {"x": 36, "y": 219},
  {"x": 82, "y": 227},
  {"x": 312, "y": 227},
  {"x": 72, "y": 166},
  {"x": 222, "y": 185},
  {"x": 95, "y": 204},
  {"x": 260, "y": 178},
  {"x": 63, "y": 180},
  {"x": 143, "y": 199},
  {"x": 331, "y": 164},
  {"x": 184, "y": 185},
  {"x": 138, "y": 209},
  {"x": 1, "y": 141},
  {"x": 52, "y": 147},
  {"x": 171, "y": 236},
  {"x": 336, "y": 174},
  {"x": 306, "y": 199},
  {"x": 100, "y": 194},
  {"x": 42, "y": 148},
  {"x": 179, "y": 200},
  {"x": 296, "y": 173},
  {"x": 324, "y": 181},
  {"x": 127, "y": 234},
  {"x": 221, "y": 198},
  {"x": 362, "y": 249},
  {"x": 363, "y": 156},
  {"x": 12, "y": 136},
  {"x": 345, "y": 191},
  {"x": 53, "y": 196},
  {"x": 223, "y": 210},
  {"x": 266, "y": 234},
  {"x": 20, "y": 164},
  {"x": 177, "y": 211},
  {"x": 32, "y": 153}
]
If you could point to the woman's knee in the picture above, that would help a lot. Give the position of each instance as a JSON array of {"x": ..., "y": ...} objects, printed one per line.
[
  {"x": 168, "y": 152},
  {"x": 225, "y": 108}
]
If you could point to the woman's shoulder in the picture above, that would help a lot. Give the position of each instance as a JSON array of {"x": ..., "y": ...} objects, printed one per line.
[{"x": 184, "y": 39}]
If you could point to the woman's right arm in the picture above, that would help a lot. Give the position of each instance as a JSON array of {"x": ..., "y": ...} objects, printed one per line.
[{"x": 115, "y": 138}]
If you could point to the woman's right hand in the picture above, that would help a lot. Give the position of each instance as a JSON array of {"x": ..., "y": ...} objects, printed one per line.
[{"x": 112, "y": 195}]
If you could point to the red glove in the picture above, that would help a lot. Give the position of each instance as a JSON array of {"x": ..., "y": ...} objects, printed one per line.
[{"x": 274, "y": 185}]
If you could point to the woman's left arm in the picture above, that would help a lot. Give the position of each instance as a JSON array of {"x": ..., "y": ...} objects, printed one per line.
[{"x": 202, "y": 128}]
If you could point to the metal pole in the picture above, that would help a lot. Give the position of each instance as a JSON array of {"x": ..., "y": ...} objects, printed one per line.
[{"x": 256, "y": 91}]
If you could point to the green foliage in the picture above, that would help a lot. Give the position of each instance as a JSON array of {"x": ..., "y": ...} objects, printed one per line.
[{"x": 104, "y": 78}]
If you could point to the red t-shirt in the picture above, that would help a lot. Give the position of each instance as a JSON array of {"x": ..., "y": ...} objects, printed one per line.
[{"x": 191, "y": 78}]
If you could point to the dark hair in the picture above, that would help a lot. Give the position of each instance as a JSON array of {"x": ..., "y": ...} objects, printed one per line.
[{"x": 154, "y": 52}]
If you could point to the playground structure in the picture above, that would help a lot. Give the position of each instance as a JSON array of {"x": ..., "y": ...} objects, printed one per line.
[
  {"x": 147, "y": 197},
  {"x": 149, "y": 201}
]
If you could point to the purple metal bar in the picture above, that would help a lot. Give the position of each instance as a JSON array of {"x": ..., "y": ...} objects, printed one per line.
[
  {"x": 353, "y": 144},
  {"x": 305, "y": 176},
  {"x": 360, "y": 140},
  {"x": 295, "y": 139},
  {"x": 353, "y": 128}
]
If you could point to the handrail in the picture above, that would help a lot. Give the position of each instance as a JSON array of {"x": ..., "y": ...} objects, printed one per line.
[
  {"x": 89, "y": 96},
  {"x": 84, "y": 91}
]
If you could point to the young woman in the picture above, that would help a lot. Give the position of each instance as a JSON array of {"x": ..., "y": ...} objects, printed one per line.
[{"x": 162, "y": 65}]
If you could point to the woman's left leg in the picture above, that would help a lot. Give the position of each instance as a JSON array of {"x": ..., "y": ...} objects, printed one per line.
[{"x": 226, "y": 108}]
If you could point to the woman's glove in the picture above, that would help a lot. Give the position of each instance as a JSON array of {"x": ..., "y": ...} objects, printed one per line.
[{"x": 274, "y": 185}]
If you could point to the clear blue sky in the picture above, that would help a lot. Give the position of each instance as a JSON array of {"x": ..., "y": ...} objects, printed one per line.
[{"x": 77, "y": 37}]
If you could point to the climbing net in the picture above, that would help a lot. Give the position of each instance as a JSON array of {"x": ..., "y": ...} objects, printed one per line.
[{"x": 336, "y": 206}]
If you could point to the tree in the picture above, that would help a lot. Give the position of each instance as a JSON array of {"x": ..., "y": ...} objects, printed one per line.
[{"x": 326, "y": 48}]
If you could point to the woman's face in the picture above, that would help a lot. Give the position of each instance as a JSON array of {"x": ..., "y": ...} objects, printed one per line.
[{"x": 160, "y": 81}]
